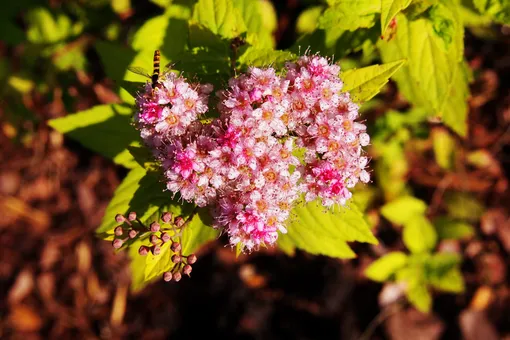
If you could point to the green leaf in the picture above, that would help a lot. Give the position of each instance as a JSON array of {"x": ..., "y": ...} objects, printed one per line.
[
  {"x": 365, "y": 83},
  {"x": 419, "y": 295},
  {"x": 403, "y": 209},
  {"x": 498, "y": 10},
  {"x": 308, "y": 19},
  {"x": 442, "y": 272},
  {"x": 464, "y": 206},
  {"x": 350, "y": 15},
  {"x": 382, "y": 269},
  {"x": 260, "y": 19},
  {"x": 419, "y": 235},
  {"x": 450, "y": 229},
  {"x": 261, "y": 57},
  {"x": 198, "y": 232},
  {"x": 151, "y": 34},
  {"x": 46, "y": 28},
  {"x": 444, "y": 148},
  {"x": 418, "y": 7},
  {"x": 452, "y": 281},
  {"x": 319, "y": 231},
  {"x": 434, "y": 76},
  {"x": 220, "y": 16},
  {"x": 105, "y": 129},
  {"x": 389, "y": 9},
  {"x": 115, "y": 59}
]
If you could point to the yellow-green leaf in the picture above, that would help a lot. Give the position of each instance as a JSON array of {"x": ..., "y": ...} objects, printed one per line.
[
  {"x": 389, "y": 9},
  {"x": 419, "y": 234},
  {"x": 365, "y": 83},
  {"x": 382, "y": 269},
  {"x": 403, "y": 209}
]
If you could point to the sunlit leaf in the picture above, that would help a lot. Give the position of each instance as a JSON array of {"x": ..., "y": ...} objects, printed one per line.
[
  {"x": 320, "y": 231},
  {"x": 382, "y": 269},
  {"x": 403, "y": 209},
  {"x": 365, "y": 83},
  {"x": 419, "y": 234},
  {"x": 105, "y": 129}
]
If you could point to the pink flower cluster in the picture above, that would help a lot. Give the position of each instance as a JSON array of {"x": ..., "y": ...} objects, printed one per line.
[{"x": 244, "y": 165}]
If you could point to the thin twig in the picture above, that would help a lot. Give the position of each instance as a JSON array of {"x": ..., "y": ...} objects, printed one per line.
[{"x": 379, "y": 319}]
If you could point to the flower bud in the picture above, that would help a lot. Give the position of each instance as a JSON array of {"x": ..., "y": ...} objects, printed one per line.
[
  {"x": 165, "y": 237},
  {"x": 143, "y": 250},
  {"x": 179, "y": 221},
  {"x": 118, "y": 231},
  {"x": 156, "y": 250},
  {"x": 176, "y": 258},
  {"x": 132, "y": 233},
  {"x": 119, "y": 218},
  {"x": 192, "y": 258},
  {"x": 166, "y": 217},
  {"x": 117, "y": 243},
  {"x": 176, "y": 247},
  {"x": 177, "y": 277},
  {"x": 167, "y": 276},
  {"x": 154, "y": 239},
  {"x": 187, "y": 269},
  {"x": 154, "y": 226},
  {"x": 132, "y": 216}
]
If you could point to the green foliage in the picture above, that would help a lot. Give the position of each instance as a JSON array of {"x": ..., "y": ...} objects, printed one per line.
[
  {"x": 434, "y": 77},
  {"x": 497, "y": 10},
  {"x": 365, "y": 83},
  {"x": 444, "y": 148},
  {"x": 382, "y": 269},
  {"x": 463, "y": 206},
  {"x": 323, "y": 232},
  {"x": 105, "y": 129},
  {"x": 389, "y": 9},
  {"x": 448, "y": 228},
  {"x": 403, "y": 209},
  {"x": 419, "y": 235}
]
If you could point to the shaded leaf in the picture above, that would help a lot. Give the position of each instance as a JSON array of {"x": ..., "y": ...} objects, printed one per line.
[{"x": 450, "y": 229}]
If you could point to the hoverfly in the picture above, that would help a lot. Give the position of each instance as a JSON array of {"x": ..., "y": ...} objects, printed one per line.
[{"x": 155, "y": 73}]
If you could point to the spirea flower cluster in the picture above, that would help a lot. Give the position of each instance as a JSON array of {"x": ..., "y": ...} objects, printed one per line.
[{"x": 244, "y": 164}]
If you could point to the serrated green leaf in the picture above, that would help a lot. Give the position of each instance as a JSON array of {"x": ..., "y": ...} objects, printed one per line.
[
  {"x": 365, "y": 83},
  {"x": 498, "y": 10},
  {"x": 464, "y": 206},
  {"x": 444, "y": 148},
  {"x": 450, "y": 229},
  {"x": 151, "y": 34},
  {"x": 382, "y": 269},
  {"x": 105, "y": 129},
  {"x": 389, "y": 9},
  {"x": 419, "y": 235},
  {"x": 350, "y": 15},
  {"x": 198, "y": 232},
  {"x": 318, "y": 231},
  {"x": 261, "y": 57},
  {"x": 308, "y": 19},
  {"x": 434, "y": 77},
  {"x": 419, "y": 296},
  {"x": 403, "y": 209},
  {"x": 220, "y": 16}
]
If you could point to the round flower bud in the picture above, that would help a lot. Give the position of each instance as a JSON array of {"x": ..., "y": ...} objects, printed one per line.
[
  {"x": 165, "y": 237},
  {"x": 119, "y": 218},
  {"x": 155, "y": 227},
  {"x": 143, "y": 250},
  {"x": 176, "y": 247},
  {"x": 132, "y": 233},
  {"x": 177, "y": 277},
  {"x": 154, "y": 239},
  {"x": 118, "y": 231},
  {"x": 179, "y": 221},
  {"x": 176, "y": 258},
  {"x": 166, "y": 217},
  {"x": 156, "y": 250},
  {"x": 167, "y": 276},
  {"x": 132, "y": 216},
  {"x": 192, "y": 258},
  {"x": 117, "y": 243},
  {"x": 187, "y": 269}
]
